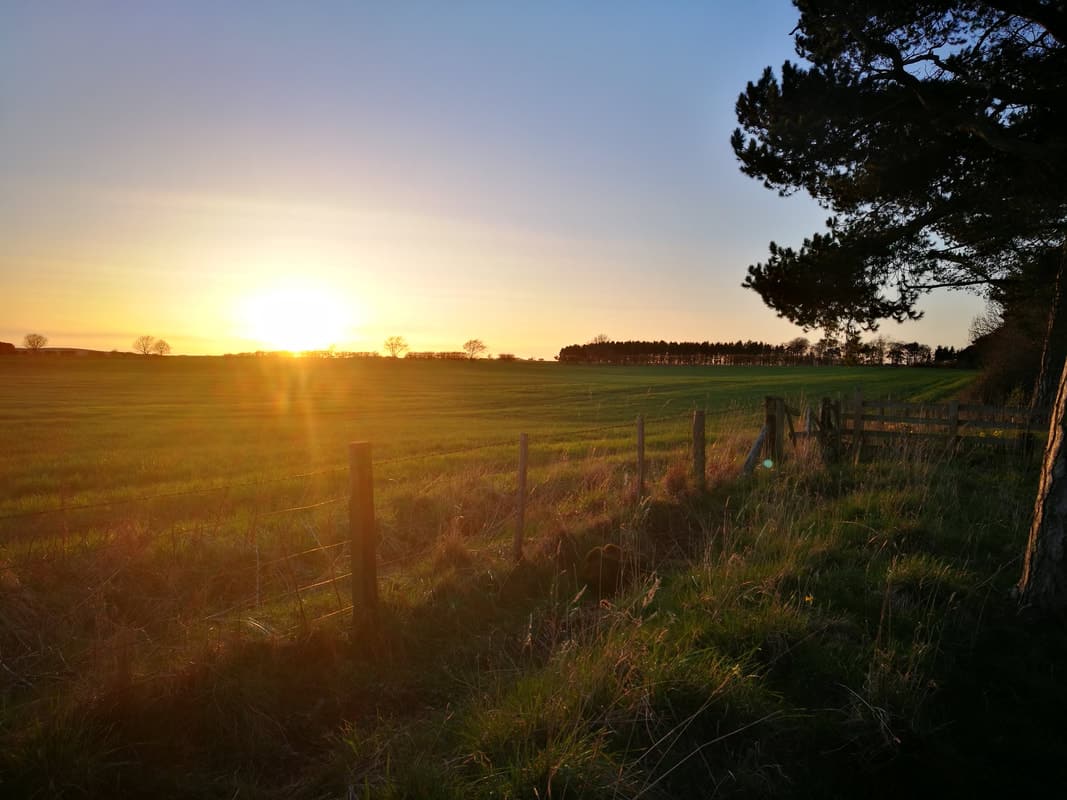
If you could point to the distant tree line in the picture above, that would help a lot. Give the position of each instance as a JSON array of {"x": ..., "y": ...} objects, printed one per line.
[
  {"x": 395, "y": 347},
  {"x": 328, "y": 353},
  {"x": 457, "y": 355},
  {"x": 829, "y": 351}
]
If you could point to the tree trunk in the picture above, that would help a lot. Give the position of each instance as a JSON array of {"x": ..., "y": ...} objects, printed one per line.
[{"x": 1044, "y": 582}]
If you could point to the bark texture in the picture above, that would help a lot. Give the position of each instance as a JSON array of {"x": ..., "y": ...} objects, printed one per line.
[{"x": 1044, "y": 582}]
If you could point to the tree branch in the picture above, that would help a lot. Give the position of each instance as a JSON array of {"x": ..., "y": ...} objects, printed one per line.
[
  {"x": 982, "y": 127},
  {"x": 925, "y": 287},
  {"x": 1046, "y": 15}
]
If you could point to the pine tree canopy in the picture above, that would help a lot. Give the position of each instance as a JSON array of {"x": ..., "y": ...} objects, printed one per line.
[{"x": 935, "y": 134}]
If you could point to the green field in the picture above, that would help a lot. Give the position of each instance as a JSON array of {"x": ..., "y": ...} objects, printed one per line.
[
  {"x": 92, "y": 447},
  {"x": 89, "y": 430},
  {"x": 173, "y": 562}
]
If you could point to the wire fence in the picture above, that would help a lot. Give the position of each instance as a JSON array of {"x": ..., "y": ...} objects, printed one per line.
[
  {"x": 120, "y": 501},
  {"x": 87, "y": 593},
  {"x": 237, "y": 562}
]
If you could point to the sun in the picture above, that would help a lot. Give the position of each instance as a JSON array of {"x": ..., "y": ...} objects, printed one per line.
[{"x": 295, "y": 317}]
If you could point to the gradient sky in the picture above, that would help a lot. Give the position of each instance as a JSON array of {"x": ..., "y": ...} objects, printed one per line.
[{"x": 532, "y": 174}]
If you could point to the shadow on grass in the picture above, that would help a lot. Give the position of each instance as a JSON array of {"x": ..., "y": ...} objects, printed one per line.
[{"x": 258, "y": 714}]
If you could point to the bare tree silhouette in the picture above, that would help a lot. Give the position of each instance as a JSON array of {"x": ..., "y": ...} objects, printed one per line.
[
  {"x": 474, "y": 348},
  {"x": 143, "y": 345},
  {"x": 396, "y": 346},
  {"x": 34, "y": 341}
]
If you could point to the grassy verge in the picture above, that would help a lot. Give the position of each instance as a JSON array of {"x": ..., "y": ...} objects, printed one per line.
[{"x": 811, "y": 631}]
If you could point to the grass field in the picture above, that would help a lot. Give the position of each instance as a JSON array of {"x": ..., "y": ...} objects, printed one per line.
[
  {"x": 814, "y": 630},
  {"x": 88, "y": 430}
]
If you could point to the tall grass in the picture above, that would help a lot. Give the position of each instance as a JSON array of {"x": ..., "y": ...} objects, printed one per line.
[{"x": 812, "y": 630}]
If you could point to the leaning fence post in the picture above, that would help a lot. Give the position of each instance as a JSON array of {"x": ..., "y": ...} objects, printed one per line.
[
  {"x": 770, "y": 422},
  {"x": 753, "y": 454},
  {"x": 363, "y": 539},
  {"x": 520, "y": 508},
  {"x": 699, "y": 451},
  {"x": 953, "y": 422},
  {"x": 1022, "y": 442},
  {"x": 640, "y": 456}
]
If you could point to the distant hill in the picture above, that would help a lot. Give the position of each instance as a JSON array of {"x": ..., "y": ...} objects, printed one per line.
[{"x": 6, "y": 348}]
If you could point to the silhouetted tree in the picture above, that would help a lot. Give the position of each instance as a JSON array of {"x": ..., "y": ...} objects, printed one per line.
[
  {"x": 909, "y": 112},
  {"x": 34, "y": 341},
  {"x": 160, "y": 347},
  {"x": 828, "y": 348},
  {"x": 944, "y": 356},
  {"x": 396, "y": 346},
  {"x": 879, "y": 349},
  {"x": 143, "y": 345},
  {"x": 798, "y": 347},
  {"x": 852, "y": 347},
  {"x": 474, "y": 348}
]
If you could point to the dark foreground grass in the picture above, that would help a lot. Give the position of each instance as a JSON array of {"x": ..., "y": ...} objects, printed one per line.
[{"x": 812, "y": 631}]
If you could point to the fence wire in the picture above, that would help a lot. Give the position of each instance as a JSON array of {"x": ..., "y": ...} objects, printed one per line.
[{"x": 284, "y": 585}]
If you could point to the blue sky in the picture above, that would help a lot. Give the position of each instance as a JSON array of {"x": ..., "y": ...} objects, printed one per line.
[{"x": 530, "y": 174}]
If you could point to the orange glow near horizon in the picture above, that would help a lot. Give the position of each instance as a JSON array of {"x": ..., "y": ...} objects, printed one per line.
[{"x": 295, "y": 317}]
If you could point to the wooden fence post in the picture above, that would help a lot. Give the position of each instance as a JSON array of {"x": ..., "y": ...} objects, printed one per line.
[
  {"x": 1023, "y": 441},
  {"x": 789, "y": 413},
  {"x": 363, "y": 539},
  {"x": 953, "y": 422},
  {"x": 770, "y": 422},
  {"x": 779, "y": 428},
  {"x": 699, "y": 451},
  {"x": 753, "y": 454},
  {"x": 857, "y": 424},
  {"x": 829, "y": 431},
  {"x": 640, "y": 456},
  {"x": 520, "y": 508}
]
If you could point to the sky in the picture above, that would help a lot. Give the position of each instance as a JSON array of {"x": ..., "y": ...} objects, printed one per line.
[{"x": 276, "y": 175}]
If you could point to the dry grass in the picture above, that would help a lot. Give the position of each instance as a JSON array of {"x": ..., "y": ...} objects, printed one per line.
[{"x": 789, "y": 633}]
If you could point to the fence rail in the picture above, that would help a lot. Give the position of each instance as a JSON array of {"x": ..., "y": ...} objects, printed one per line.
[{"x": 865, "y": 421}]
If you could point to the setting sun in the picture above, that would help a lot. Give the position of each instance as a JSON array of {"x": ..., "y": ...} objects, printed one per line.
[{"x": 295, "y": 318}]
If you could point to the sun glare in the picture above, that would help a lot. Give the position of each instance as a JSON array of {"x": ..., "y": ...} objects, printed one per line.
[{"x": 295, "y": 318}]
